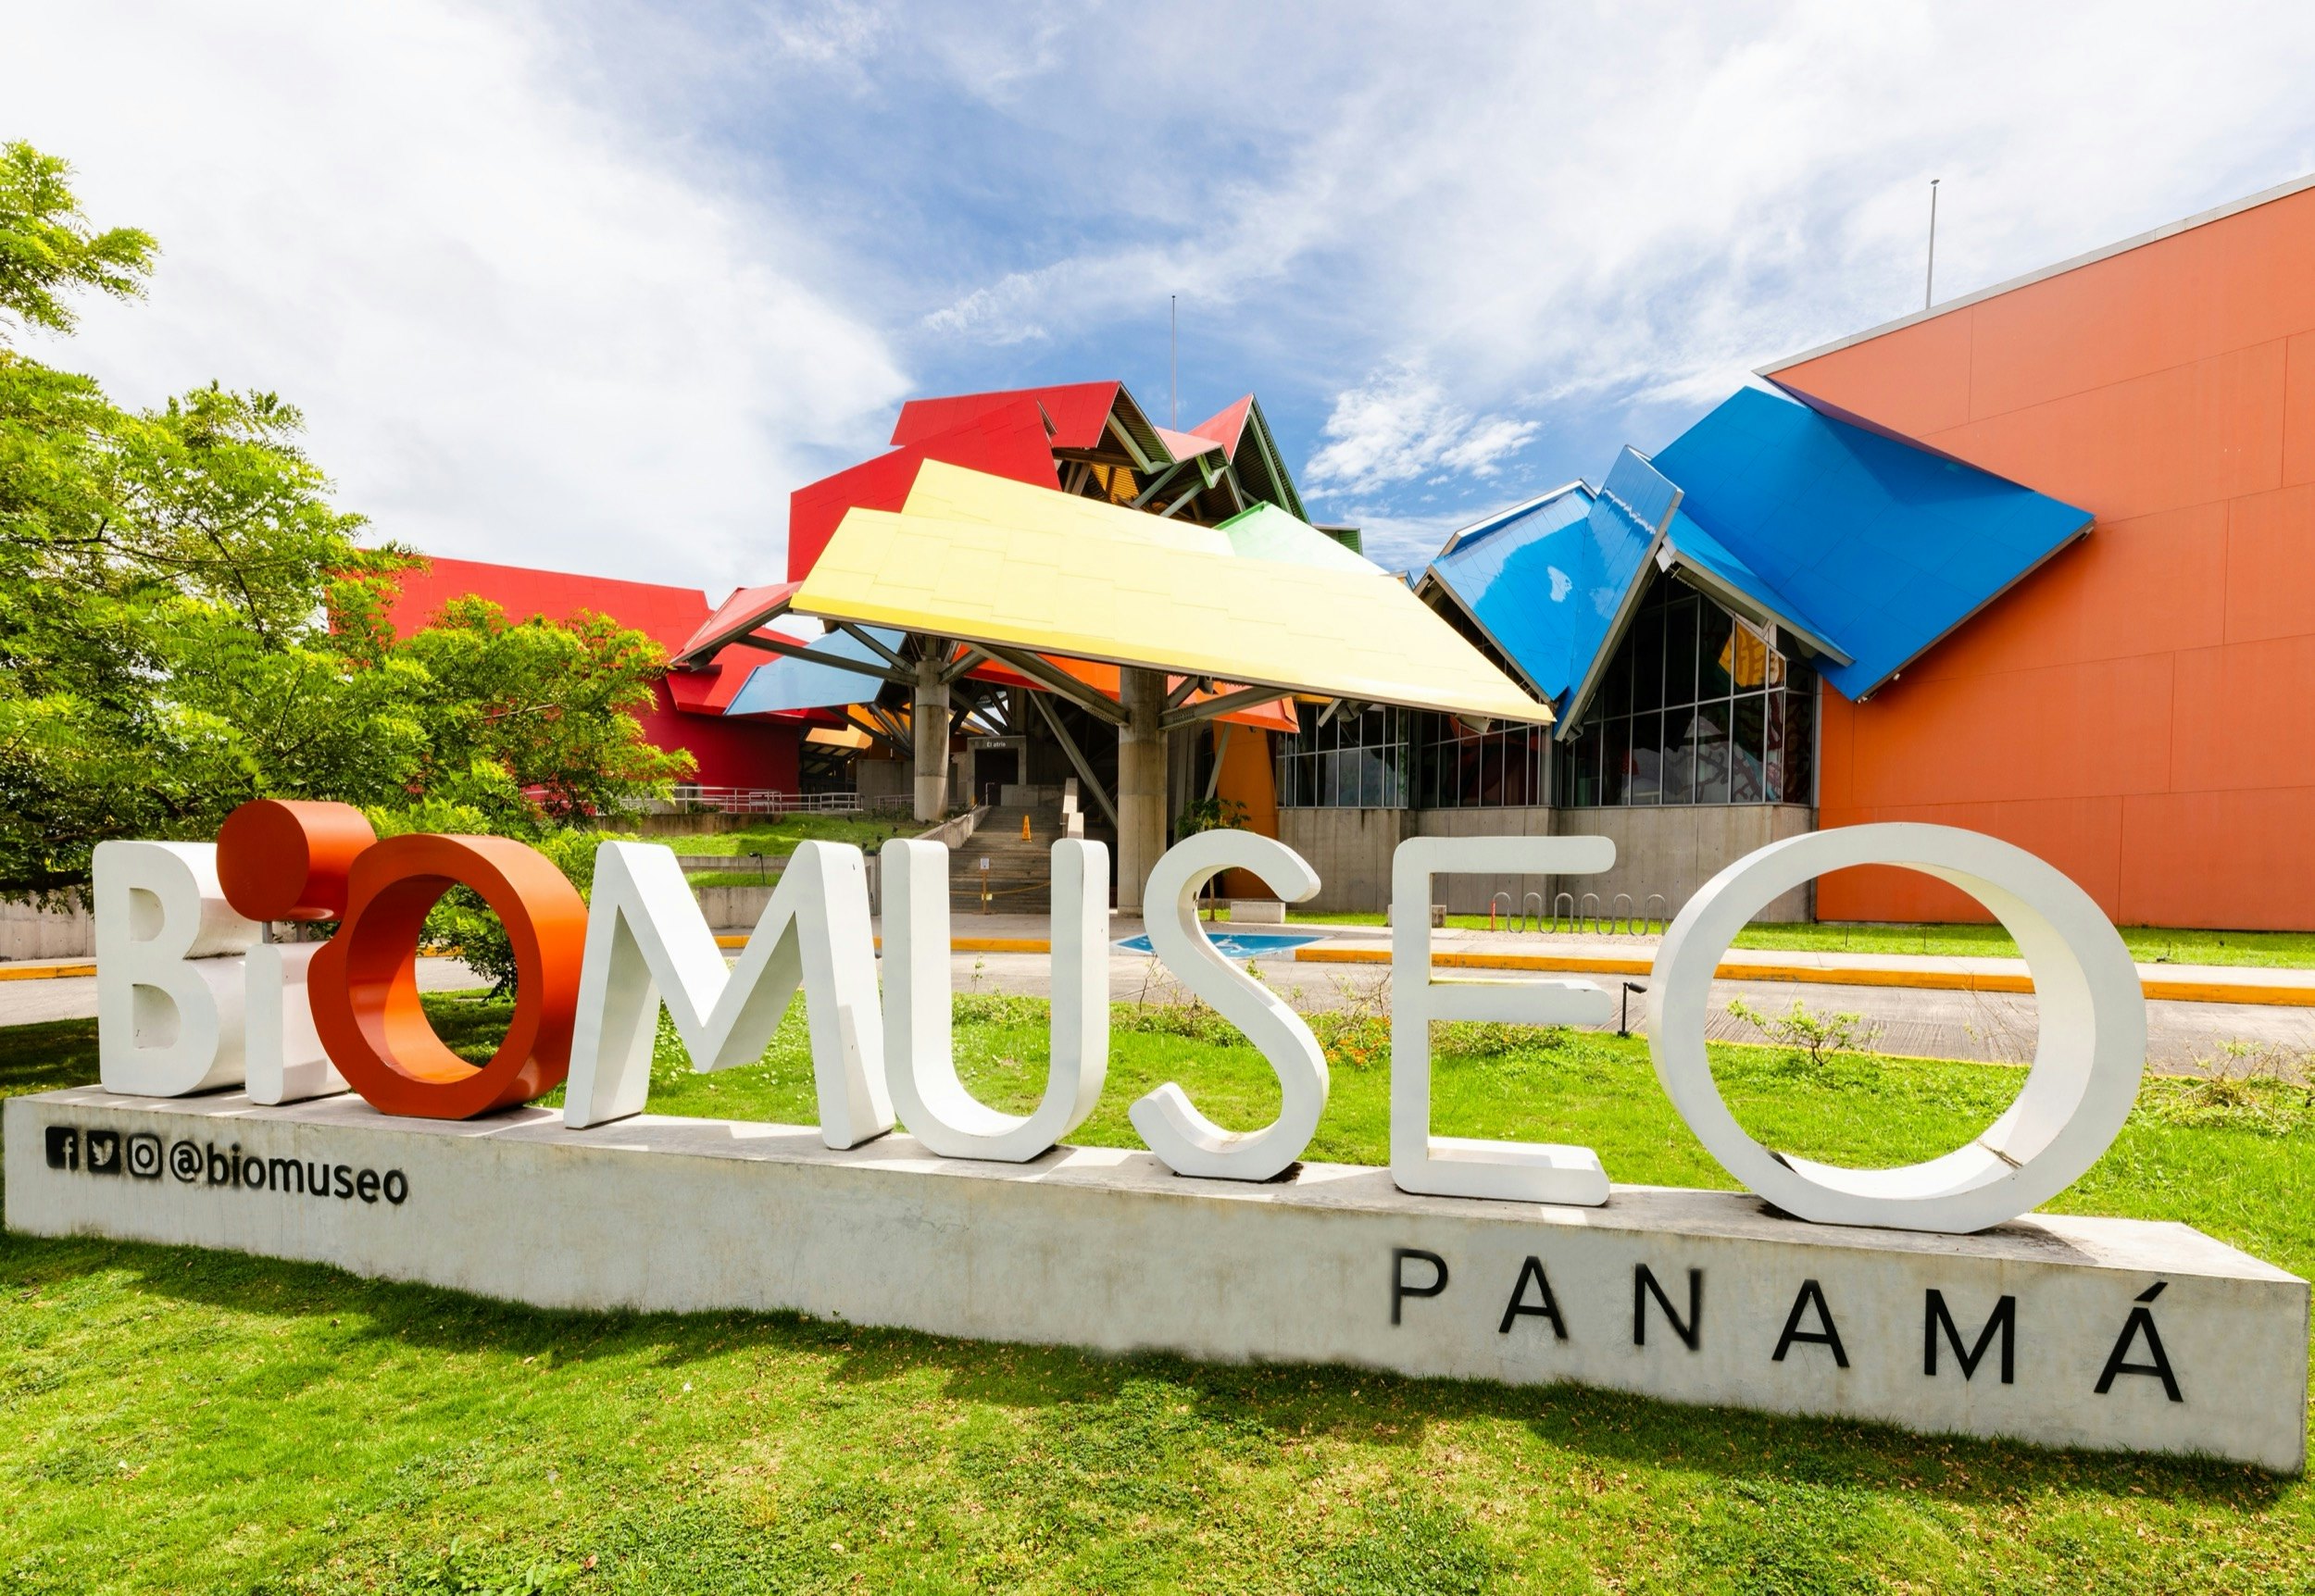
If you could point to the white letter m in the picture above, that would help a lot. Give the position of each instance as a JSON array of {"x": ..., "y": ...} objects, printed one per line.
[{"x": 648, "y": 943}]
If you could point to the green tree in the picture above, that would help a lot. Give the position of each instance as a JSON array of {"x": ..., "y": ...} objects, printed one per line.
[
  {"x": 187, "y": 621},
  {"x": 550, "y": 708},
  {"x": 47, "y": 248}
]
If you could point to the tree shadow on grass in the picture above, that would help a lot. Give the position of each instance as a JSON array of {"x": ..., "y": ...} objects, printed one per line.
[
  {"x": 47, "y": 1056},
  {"x": 1269, "y": 1403}
]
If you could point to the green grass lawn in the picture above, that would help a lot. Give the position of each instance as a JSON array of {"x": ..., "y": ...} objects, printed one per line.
[
  {"x": 2148, "y": 944},
  {"x": 184, "y": 1421},
  {"x": 777, "y": 839}
]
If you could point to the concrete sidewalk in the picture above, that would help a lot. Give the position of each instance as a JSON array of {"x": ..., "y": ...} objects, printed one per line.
[{"x": 1634, "y": 956}]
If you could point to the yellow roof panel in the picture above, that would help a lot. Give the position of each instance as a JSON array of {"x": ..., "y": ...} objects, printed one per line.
[
  {"x": 1093, "y": 589},
  {"x": 955, "y": 493}
]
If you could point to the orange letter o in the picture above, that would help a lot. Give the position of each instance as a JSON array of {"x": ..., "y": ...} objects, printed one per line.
[{"x": 364, "y": 981}]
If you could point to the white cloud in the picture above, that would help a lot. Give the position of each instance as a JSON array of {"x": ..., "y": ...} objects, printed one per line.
[
  {"x": 1400, "y": 425},
  {"x": 1005, "y": 312},
  {"x": 1577, "y": 213},
  {"x": 519, "y": 330},
  {"x": 532, "y": 320}
]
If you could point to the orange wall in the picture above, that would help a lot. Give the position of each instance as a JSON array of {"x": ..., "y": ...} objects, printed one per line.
[
  {"x": 1249, "y": 778},
  {"x": 2141, "y": 711}
]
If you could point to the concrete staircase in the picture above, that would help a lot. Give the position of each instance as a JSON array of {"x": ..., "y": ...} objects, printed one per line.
[{"x": 1019, "y": 874}]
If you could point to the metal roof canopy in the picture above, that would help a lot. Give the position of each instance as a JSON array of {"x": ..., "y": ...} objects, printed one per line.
[
  {"x": 1869, "y": 546},
  {"x": 735, "y": 620},
  {"x": 1097, "y": 582}
]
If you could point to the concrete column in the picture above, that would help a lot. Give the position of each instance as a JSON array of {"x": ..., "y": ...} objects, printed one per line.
[
  {"x": 928, "y": 727},
  {"x": 1141, "y": 783}
]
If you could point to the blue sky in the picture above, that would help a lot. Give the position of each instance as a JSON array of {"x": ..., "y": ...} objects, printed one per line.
[{"x": 592, "y": 286}]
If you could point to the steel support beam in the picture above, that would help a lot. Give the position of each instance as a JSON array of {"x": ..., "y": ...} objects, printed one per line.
[
  {"x": 1078, "y": 761},
  {"x": 972, "y": 656},
  {"x": 861, "y": 635},
  {"x": 1056, "y": 679},
  {"x": 834, "y": 661},
  {"x": 1228, "y": 704}
]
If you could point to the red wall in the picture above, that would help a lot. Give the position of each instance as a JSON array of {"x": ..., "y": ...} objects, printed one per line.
[
  {"x": 2141, "y": 711},
  {"x": 743, "y": 753}
]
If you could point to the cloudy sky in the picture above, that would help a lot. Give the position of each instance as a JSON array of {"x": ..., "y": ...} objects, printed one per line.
[{"x": 593, "y": 285}]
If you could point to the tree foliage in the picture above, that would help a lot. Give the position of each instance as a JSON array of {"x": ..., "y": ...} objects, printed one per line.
[
  {"x": 47, "y": 249},
  {"x": 187, "y": 621}
]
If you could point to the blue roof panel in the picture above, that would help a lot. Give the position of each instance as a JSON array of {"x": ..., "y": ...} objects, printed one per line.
[
  {"x": 798, "y": 684},
  {"x": 1880, "y": 547},
  {"x": 1545, "y": 582},
  {"x": 1696, "y": 547}
]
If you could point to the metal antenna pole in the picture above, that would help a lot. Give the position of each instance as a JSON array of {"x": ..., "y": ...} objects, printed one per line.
[
  {"x": 1173, "y": 360},
  {"x": 1929, "y": 285}
]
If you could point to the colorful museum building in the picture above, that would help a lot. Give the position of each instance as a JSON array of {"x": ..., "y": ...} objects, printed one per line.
[{"x": 2039, "y": 561}]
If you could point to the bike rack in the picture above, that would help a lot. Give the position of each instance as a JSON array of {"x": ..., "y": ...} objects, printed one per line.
[
  {"x": 1506, "y": 899},
  {"x": 1568, "y": 898},
  {"x": 1536, "y": 899},
  {"x": 1589, "y": 910},
  {"x": 1660, "y": 918},
  {"x": 1620, "y": 916}
]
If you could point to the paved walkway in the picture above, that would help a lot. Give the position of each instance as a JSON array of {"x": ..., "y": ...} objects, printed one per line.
[
  {"x": 1947, "y": 1007},
  {"x": 30, "y": 1001}
]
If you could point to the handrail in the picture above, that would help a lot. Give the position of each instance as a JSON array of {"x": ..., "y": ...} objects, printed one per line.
[{"x": 765, "y": 801}]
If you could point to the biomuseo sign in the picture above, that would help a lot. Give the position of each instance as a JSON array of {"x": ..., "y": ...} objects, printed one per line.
[{"x": 291, "y": 1098}]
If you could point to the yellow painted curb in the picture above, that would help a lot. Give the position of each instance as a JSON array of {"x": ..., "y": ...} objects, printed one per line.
[
  {"x": 45, "y": 972},
  {"x": 2156, "y": 987}
]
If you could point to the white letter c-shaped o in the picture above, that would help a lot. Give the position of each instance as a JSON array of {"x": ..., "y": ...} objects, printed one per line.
[{"x": 2090, "y": 1055}]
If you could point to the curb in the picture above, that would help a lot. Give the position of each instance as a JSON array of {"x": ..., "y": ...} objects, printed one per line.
[{"x": 2156, "y": 987}]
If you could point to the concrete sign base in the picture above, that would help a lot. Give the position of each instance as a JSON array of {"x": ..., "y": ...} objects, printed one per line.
[{"x": 2104, "y": 1333}]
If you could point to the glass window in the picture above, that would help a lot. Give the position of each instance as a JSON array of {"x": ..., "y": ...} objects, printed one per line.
[
  {"x": 1772, "y": 750},
  {"x": 1392, "y": 759},
  {"x": 1800, "y": 737},
  {"x": 1680, "y": 650},
  {"x": 1746, "y": 783},
  {"x": 1679, "y": 756},
  {"x": 1717, "y": 713},
  {"x": 1716, "y": 652},
  {"x": 1616, "y": 759},
  {"x": 1645, "y": 784},
  {"x": 1614, "y": 696},
  {"x": 1710, "y": 737},
  {"x": 1647, "y": 660}
]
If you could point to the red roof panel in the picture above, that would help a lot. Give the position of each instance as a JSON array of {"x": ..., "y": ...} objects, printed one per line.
[
  {"x": 1079, "y": 412},
  {"x": 1227, "y": 425},
  {"x": 1005, "y": 439}
]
